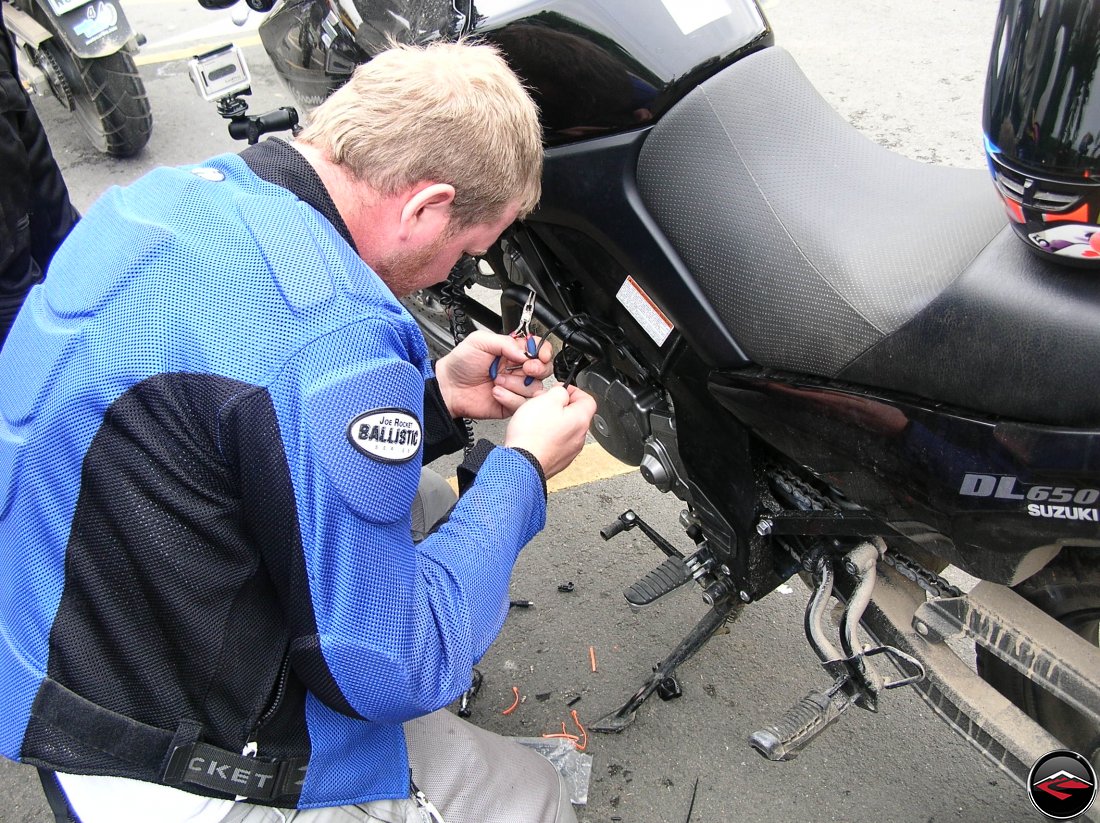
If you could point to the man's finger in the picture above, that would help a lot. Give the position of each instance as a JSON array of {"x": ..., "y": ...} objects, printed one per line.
[
  {"x": 518, "y": 382},
  {"x": 538, "y": 369},
  {"x": 508, "y": 400}
]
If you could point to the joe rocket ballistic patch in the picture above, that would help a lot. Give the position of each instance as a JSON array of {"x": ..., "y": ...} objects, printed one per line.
[{"x": 388, "y": 435}]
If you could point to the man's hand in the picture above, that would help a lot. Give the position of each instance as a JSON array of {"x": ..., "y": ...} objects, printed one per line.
[
  {"x": 552, "y": 426},
  {"x": 464, "y": 381}
]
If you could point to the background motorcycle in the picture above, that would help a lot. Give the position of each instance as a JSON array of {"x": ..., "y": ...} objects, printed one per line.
[
  {"x": 79, "y": 53},
  {"x": 837, "y": 358}
]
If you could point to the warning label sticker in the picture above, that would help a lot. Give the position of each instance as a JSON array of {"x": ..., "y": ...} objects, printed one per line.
[{"x": 645, "y": 311}]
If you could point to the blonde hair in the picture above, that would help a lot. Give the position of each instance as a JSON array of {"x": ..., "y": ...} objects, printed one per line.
[{"x": 445, "y": 113}]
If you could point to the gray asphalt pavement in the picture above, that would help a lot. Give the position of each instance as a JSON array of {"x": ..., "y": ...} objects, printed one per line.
[{"x": 910, "y": 75}]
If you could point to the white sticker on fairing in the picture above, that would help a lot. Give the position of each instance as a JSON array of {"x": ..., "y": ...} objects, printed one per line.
[
  {"x": 387, "y": 435},
  {"x": 692, "y": 15},
  {"x": 645, "y": 311}
]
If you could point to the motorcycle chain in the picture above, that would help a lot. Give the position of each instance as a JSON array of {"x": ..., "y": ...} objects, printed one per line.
[{"x": 807, "y": 498}]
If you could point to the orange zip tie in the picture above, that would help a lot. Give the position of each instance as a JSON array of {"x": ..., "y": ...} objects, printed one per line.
[
  {"x": 592, "y": 657},
  {"x": 584, "y": 732},
  {"x": 564, "y": 735},
  {"x": 580, "y": 743},
  {"x": 512, "y": 708}
]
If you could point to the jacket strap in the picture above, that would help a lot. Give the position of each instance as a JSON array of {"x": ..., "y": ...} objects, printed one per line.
[{"x": 172, "y": 759}]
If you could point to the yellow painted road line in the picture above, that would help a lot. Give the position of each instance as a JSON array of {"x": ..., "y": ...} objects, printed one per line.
[
  {"x": 592, "y": 464},
  {"x": 154, "y": 57}
]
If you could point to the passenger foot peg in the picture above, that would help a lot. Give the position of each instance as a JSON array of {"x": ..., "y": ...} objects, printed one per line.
[{"x": 802, "y": 723}]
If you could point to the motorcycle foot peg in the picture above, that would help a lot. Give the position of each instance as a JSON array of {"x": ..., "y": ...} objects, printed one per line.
[
  {"x": 666, "y": 578},
  {"x": 802, "y": 723}
]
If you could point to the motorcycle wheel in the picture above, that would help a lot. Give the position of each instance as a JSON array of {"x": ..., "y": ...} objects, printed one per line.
[
  {"x": 1069, "y": 590},
  {"x": 430, "y": 314},
  {"x": 108, "y": 98},
  {"x": 439, "y": 319}
]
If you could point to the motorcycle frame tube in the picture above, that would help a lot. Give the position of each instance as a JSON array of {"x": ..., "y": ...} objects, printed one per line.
[
  {"x": 64, "y": 27},
  {"x": 908, "y": 462}
]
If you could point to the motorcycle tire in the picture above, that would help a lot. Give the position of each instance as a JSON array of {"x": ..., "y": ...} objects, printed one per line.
[
  {"x": 108, "y": 98},
  {"x": 1069, "y": 590}
]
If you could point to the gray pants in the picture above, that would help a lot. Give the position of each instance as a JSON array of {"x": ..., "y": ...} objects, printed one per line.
[{"x": 469, "y": 774}]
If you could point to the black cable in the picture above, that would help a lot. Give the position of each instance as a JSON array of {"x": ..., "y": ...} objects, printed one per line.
[
  {"x": 571, "y": 378},
  {"x": 459, "y": 324}
]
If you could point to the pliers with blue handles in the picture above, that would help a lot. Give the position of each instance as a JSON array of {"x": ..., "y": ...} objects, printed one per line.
[{"x": 522, "y": 332}]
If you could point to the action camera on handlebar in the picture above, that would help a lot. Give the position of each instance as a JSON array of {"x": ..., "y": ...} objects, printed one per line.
[{"x": 221, "y": 76}]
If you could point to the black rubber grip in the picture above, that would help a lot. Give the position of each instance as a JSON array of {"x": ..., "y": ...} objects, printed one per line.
[
  {"x": 607, "y": 532},
  {"x": 801, "y": 724},
  {"x": 666, "y": 578}
]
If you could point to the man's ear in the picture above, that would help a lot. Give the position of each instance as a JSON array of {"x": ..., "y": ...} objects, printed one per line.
[{"x": 426, "y": 212}]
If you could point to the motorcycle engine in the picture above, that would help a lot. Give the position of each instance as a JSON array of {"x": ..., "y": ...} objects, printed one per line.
[
  {"x": 621, "y": 423},
  {"x": 634, "y": 424}
]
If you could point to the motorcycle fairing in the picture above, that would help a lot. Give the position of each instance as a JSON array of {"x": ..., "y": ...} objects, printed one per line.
[
  {"x": 593, "y": 219},
  {"x": 311, "y": 62},
  {"x": 377, "y": 23},
  {"x": 594, "y": 69},
  {"x": 995, "y": 498}
]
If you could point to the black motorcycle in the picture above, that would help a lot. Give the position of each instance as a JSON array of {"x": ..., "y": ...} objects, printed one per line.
[
  {"x": 841, "y": 360},
  {"x": 80, "y": 52}
]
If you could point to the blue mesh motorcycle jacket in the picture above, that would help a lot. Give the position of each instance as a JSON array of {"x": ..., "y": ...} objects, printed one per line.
[{"x": 211, "y": 432}]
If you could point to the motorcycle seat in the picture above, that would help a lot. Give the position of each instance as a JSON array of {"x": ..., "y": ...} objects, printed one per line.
[{"x": 827, "y": 254}]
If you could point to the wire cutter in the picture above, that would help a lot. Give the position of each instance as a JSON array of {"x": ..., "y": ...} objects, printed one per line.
[{"x": 522, "y": 332}]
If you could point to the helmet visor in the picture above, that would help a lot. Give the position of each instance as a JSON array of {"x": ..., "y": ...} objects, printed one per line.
[{"x": 1042, "y": 96}]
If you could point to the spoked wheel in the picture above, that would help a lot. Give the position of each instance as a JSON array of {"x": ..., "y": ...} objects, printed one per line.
[
  {"x": 1068, "y": 590},
  {"x": 107, "y": 96}
]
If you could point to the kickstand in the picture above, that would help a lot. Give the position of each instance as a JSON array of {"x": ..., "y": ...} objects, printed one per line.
[{"x": 703, "y": 631}]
